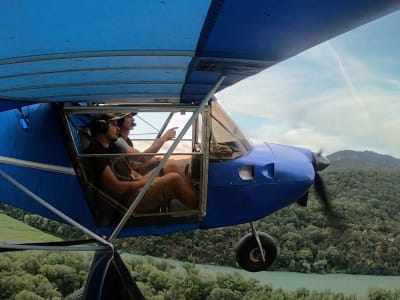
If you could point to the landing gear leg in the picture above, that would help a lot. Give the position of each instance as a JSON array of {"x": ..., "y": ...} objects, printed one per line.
[{"x": 255, "y": 234}]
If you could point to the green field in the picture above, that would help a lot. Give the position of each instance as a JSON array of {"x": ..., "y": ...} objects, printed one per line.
[{"x": 12, "y": 231}]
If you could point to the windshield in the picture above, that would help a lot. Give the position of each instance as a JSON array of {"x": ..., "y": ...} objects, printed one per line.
[{"x": 227, "y": 141}]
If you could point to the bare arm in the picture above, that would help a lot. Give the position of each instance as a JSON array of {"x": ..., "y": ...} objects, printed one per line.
[
  {"x": 157, "y": 144},
  {"x": 116, "y": 187}
]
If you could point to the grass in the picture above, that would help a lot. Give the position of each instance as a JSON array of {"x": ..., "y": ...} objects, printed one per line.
[{"x": 14, "y": 231}]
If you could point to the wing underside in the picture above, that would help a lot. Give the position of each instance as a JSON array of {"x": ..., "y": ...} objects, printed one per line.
[{"x": 164, "y": 51}]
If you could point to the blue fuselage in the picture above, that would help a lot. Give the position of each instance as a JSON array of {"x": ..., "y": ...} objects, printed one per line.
[{"x": 240, "y": 190}]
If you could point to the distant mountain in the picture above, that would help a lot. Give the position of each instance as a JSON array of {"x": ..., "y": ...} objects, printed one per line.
[{"x": 363, "y": 159}]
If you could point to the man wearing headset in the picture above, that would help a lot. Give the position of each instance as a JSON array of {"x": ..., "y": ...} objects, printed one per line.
[
  {"x": 126, "y": 123},
  {"x": 144, "y": 163},
  {"x": 119, "y": 180}
]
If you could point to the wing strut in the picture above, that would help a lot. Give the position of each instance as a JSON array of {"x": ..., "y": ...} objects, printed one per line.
[
  {"x": 74, "y": 245},
  {"x": 156, "y": 171},
  {"x": 54, "y": 210},
  {"x": 161, "y": 131}
]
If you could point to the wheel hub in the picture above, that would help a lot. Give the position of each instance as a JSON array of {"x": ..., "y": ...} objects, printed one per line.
[{"x": 255, "y": 255}]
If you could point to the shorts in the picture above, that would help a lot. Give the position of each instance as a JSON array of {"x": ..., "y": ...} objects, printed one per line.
[{"x": 156, "y": 196}]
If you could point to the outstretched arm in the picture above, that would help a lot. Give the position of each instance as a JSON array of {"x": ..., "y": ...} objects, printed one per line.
[{"x": 157, "y": 144}]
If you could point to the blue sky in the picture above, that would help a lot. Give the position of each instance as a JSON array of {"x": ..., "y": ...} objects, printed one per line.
[{"x": 342, "y": 94}]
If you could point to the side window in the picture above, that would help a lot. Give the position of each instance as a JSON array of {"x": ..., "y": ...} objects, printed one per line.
[{"x": 149, "y": 125}]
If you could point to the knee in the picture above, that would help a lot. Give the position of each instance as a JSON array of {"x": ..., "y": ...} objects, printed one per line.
[
  {"x": 171, "y": 167},
  {"x": 172, "y": 178}
]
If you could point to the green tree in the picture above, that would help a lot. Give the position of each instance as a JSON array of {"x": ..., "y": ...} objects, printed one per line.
[
  {"x": 158, "y": 280},
  {"x": 224, "y": 294},
  {"x": 6, "y": 264},
  {"x": 64, "y": 277},
  {"x": 379, "y": 293},
  {"x": 27, "y": 295}
]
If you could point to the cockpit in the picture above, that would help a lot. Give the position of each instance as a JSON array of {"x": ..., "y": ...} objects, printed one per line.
[{"x": 203, "y": 137}]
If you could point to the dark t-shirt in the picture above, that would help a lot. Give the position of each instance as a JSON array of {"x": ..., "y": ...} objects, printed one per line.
[{"x": 118, "y": 165}]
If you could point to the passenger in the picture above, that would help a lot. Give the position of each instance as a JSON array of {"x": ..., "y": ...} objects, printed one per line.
[
  {"x": 116, "y": 177},
  {"x": 126, "y": 123}
]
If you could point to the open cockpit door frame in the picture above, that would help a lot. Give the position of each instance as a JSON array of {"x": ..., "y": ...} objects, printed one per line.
[{"x": 200, "y": 124}]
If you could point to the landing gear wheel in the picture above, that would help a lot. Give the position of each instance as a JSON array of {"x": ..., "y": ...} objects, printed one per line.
[{"x": 248, "y": 254}]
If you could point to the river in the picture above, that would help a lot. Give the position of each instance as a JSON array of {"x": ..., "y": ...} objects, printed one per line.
[{"x": 347, "y": 284}]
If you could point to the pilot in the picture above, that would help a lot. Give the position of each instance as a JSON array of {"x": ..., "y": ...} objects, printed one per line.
[
  {"x": 126, "y": 123},
  {"x": 116, "y": 177}
]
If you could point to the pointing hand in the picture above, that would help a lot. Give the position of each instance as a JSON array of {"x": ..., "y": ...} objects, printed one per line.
[{"x": 170, "y": 133}]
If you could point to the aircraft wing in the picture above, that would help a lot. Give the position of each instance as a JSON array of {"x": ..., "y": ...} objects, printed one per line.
[{"x": 172, "y": 51}]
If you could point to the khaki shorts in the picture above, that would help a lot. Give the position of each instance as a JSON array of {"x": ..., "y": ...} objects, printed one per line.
[{"x": 157, "y": 195}]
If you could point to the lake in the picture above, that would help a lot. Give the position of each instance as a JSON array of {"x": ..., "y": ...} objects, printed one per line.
[
  {"x": 338, "y": 283},
  {"x": 290, "y": 281}
]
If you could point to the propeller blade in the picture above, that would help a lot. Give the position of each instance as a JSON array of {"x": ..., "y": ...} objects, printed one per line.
[
  {"x": 334, "y": 219},
  {"x": 322, "y": 193},
  {"x": 320, "y": 162}
]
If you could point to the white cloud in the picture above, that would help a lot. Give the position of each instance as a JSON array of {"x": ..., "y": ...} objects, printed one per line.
[
  {"x": 322, "y": 98},
  {"x": 304, "y": 137}
]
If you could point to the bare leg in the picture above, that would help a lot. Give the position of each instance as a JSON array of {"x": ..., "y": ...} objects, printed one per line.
[
  {"x": 171, "y": 166},
  {"x": 183, "y": 191}
]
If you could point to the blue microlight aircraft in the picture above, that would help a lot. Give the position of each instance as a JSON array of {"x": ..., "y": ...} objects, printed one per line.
[{"x": 61, "y": 62}]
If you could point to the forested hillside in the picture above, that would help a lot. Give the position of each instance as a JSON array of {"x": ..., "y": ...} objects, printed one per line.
[
  {"x": 350, "y": 159},
  {"x": 367, "y": 241}
]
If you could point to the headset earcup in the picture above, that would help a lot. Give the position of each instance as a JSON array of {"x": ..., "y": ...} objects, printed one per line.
[{"x": 102, "y": 126}]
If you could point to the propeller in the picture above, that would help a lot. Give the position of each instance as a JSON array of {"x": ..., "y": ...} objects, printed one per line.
[
  {"x": 320, "y": 162},
  {"x": 335, "y": 220},
  {"x": 320, "y": 189}
]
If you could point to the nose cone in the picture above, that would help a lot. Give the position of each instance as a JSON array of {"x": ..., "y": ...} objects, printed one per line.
[{"x": 320, "y": 162}]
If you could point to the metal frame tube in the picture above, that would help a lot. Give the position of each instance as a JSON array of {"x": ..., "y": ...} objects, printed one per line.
[
  {"x": 36, "y": 165},
  {"x": 161, "y": 131},
  {"x": 53, "y": 248}
]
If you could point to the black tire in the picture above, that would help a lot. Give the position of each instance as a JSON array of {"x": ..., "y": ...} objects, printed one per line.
[{"x": 248, "y": 254}]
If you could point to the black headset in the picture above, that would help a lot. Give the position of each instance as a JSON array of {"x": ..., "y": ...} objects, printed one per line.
[{"x": 100, "y": 124}]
